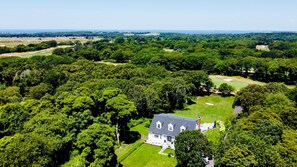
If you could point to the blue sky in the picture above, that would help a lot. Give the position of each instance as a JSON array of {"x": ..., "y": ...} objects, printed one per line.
[{"x": 251, "y": 15}]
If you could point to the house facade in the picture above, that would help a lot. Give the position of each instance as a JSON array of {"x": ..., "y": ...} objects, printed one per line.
[{"x": 164, "y": 128}]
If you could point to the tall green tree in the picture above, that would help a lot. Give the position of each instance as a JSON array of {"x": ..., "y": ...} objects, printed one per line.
[
  {"x": 96, "y": 144},
  {"x": 12, "y": 118},
  {"x": 250, "y": 96},
  {"x": 190, "y": 147}
]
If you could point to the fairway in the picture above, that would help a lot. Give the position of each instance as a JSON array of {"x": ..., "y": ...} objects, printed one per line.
[
  {"x": 236, "y": 81},
  {"x": 147, "y": 156},
  {"x": 209, "y": 108}
]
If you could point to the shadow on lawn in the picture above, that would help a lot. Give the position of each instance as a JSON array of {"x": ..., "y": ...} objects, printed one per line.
[{"x": 131, "y": 137}]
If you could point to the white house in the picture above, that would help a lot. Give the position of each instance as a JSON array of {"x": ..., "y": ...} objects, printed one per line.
[{"x": 164, "y": 128}]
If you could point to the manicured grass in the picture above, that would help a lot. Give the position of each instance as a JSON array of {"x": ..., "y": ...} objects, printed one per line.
[
  {"x": 126, "y": 149},
  {"x": 220, "y": 110},
  {"x": 140, "y": 129},
  {"x": 169, "y": 151},
  {"x": 237, "y": 82},
  {"x": 147, "y": 156}
]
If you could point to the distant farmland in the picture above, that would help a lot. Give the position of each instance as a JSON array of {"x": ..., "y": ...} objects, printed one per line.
[{"x": 11, "y": 42}]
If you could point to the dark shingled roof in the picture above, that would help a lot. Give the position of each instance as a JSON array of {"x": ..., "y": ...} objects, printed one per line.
[{"x": 177, "y": 122}]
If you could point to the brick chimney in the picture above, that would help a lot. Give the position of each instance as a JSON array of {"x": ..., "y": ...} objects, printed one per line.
[{"x": 198, "y": 123}]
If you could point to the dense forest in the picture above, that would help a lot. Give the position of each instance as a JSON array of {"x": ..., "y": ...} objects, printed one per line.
[{"x": 72, "y": 108}]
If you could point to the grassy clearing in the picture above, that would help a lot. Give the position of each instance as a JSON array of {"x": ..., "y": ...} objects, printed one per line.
[
  {"x": 45, "y": 52},
  {"x": 111, "y": 63},
  {"x": 126, "y": 149},
  {"x": 147, "y": 156},
  {"x": 220, "y": 110},
  {"x": 237, "y": 82},
  {"x": 168, "y": 50},
  {"x": 140, "y": 129}
]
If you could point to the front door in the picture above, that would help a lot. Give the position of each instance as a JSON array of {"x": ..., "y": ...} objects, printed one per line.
[{"x": 169, "y": 138}]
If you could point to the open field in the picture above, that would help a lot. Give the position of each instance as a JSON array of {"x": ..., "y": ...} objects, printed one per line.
[
  {"x": 236, "y": 81},
  {"x": 147, "y": 156},
  {"x": 44, "y": 52},
  {"x": 11, "y": 42},
  {"x": 209, "y": 108}
]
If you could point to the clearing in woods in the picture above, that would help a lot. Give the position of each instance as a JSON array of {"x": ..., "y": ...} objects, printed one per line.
[{"x": 236, "y": 81}]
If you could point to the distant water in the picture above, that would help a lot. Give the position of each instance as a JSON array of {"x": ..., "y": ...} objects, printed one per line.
[{"x": 31, "y": 31}]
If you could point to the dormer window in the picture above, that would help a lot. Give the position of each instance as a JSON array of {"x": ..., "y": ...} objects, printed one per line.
[
  {"x": 182, "y": 128},
  {"x": 159, "y": 125},
  {"x": 170, "y": 127}
]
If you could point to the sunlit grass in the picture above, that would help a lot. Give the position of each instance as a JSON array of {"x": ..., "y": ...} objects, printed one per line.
[
  {"x": 220, "y": 110},
  {"x": 147, "y": 156}
]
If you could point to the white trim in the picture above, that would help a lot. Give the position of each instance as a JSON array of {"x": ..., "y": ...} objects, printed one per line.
[
  {"x": 159, "y": 125},
  {"x": 182, "y": 128},
  {"x": 170, "y": 127}
]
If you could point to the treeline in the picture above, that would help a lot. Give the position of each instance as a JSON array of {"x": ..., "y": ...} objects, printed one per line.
[
  {"x": 33, "y": 47},
  {"x": 29, "y": 47},
  {"x": 264, "y": 134}
]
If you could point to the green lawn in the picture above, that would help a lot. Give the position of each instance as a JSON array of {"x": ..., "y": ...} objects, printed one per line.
[
  {"x": 169, "y": 151},
  {"x": 140, "y": 129},
  {"x": 237, "y": 82},
  {"x": 126, "y": 149},
  {"x": 220, "y": 110},
  {"x": 147, "y": 156}
]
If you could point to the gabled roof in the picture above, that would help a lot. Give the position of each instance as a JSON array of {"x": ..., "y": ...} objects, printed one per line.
[{"x": 177, "y": 122}]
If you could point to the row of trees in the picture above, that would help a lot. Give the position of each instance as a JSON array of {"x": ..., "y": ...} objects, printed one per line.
[{"x": 30, "y": 47}]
